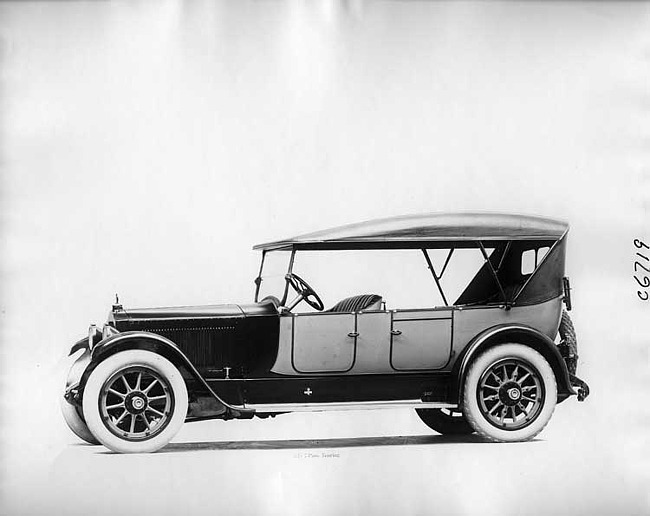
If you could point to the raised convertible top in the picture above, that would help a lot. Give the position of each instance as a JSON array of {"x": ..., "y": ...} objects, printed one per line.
[{"x": 426, "y": 230}]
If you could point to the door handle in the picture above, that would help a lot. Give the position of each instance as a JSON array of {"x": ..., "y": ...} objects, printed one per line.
[
  {"x": 395, "y": 332},
  {"x": 353, "y": 334}
]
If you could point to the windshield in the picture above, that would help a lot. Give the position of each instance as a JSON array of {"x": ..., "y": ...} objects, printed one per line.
[{"x": 276, "y": 266}]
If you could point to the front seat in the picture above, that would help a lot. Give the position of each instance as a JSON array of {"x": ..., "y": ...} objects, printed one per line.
[{"x": 358, "y": 303}]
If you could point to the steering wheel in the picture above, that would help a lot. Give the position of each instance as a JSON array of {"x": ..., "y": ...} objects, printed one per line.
[{"x": 305, "y": 292}]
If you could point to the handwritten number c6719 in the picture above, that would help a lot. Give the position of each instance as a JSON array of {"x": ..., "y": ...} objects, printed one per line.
[{"x": 644, "y": 282}]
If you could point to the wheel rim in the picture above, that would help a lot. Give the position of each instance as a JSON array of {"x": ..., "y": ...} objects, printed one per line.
[
  {"x": 510, "y": 394},
  {"x": 136, "y": 403}
]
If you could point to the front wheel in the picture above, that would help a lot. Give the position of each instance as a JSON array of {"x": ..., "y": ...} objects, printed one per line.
[
  {"x": 135, "y": 401},
  {"x": 510, "y": 393}
]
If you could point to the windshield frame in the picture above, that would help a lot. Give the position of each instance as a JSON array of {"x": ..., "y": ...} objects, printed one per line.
[{"x": 258, "y": 281}]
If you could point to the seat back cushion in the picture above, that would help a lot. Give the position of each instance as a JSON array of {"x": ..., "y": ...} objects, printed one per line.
[{"x": 357, "y": 303}]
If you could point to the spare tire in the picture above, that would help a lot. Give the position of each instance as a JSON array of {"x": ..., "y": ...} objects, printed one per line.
[
  {"x": 74, "y": 418},
  {"x": 569, "y": 343}
]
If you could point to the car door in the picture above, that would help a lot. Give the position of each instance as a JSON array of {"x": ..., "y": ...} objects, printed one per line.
[
  {"x": 324, "y": 342},
  {"x": 421, "y": 339}
]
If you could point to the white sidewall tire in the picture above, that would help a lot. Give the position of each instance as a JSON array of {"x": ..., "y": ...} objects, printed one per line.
[
  {"x": 471, "y": 407},
  {"x": 75, "y": 423},
  {"x": 113, "y": 364}
]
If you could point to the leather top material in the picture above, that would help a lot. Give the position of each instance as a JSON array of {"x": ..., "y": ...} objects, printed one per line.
[{"x": 427, "y": 228}]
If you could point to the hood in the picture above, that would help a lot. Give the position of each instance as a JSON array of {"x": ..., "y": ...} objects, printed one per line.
[{"x": 193, "y": 312}]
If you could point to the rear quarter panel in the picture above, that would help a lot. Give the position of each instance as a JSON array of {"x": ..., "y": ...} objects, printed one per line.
[{"x": 471, "y": 321}]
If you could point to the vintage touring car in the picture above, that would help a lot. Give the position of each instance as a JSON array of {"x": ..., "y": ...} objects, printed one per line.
[{"x": 491, "y": 362}]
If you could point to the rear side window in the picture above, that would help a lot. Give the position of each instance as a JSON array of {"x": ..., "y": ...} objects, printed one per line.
[{"x": 531, "y": 259}]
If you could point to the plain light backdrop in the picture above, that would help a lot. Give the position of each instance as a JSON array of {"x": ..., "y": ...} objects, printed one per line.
[{"x": 146, "y": 146}]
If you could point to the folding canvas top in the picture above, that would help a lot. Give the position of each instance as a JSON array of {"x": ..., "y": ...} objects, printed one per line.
[{"x": 426, "y": 229}]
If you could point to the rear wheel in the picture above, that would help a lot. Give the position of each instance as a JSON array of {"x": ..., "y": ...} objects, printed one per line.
[
  {"x": 510, "y": 393},
  {"x": 445, "y": 421},
  {"x": 135, "y": 401}
]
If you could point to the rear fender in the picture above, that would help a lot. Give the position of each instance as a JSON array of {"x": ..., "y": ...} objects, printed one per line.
[
  {"x": 518, "y": 334},
  {"x": 160, "y": 345}
]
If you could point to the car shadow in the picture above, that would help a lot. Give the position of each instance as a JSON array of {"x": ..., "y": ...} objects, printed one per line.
[{"x": 310, "y": 444}]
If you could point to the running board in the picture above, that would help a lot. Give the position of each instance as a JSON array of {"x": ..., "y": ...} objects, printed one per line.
[{"x": 352, "y": 405}]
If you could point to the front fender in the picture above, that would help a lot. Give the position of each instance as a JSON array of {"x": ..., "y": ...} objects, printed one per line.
[
  {"x": 519, "y": 334},
  {"x": 157, "y": 344},
  {"x": 76, "y": 372}
]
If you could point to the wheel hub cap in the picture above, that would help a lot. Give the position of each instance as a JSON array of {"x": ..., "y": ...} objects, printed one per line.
[
  {"x": 510, "y": 393},
  {"x": 135, "y": 403}
]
